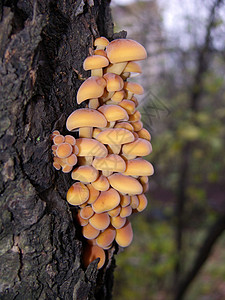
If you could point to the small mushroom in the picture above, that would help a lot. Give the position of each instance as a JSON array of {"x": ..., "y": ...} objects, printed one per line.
[
  {"x": 113, "y": 113},
  {"x": 144, "y": 134},
  {"x": 118, "y": 222},
  {"x": 143, "y": 202},
  {"x": 132, "y": 88},
  {"x": 95, "y": 63},
  {"x": 100, "y": 43},
  {"x": 92, "y": 252}
]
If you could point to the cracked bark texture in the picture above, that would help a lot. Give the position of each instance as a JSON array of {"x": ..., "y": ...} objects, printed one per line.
[{"x": 43, "y": 45}]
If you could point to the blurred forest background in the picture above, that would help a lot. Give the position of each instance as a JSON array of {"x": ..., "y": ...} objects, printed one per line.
[{"x": 179, "y": 241}]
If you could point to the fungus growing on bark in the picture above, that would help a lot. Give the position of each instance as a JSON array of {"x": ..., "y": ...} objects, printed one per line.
[{"x": 111, "y": 175}]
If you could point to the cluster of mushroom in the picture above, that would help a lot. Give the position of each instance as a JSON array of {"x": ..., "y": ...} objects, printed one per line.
[{"x": 111, "y": 175}]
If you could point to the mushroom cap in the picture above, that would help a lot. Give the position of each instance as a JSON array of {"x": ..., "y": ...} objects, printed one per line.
[
  {"x": 144, "y": 134},
  {"x": 125, "y": 184},
  {"x": 125, "y": 200},
  {"x": 106, "y": 237},
  {"x": 115, "y": 211},
  {"x": 64, "y": 150},
  {"x": 71, "y": 160},
  {"x": 81, "y": 221},
  {"x": 133, "y": 87},
  {"x": 85, "y": 117},
  {"x": 77, "y": 194},
  {"x": 101, "y": 183},
  {"x": 139, "y": 147},
  {"x": 114, "y": 82},
  {"x": 124, "y": 235},
  {"x": 89, "y": 232},
  {"x": 143, "y": 202},
  {"x": 70, "y": 140},
  {"x": 133, "y": 67},
  {"x": 115, "y": 136},
  {"x": 124, "y": 125},
  {"x": 106, "y": 201},
  {"x": 101, "y": 41},
  {"x": 93, "y": 194},
  {"x": 100, "y": 52},
  {"x": 58, "y": 139},
  {"x": 138, "y": 167},
  {"x": 85, "y": 174},
  {"x": 128, "y": 105},
  {"x": 91, "y": 147},
  {"x": 122, "y": 50},
  {"x": 126, "y": 211},
  {"x": 136, "y": 116},
  {"x": 118, "y": 222},
  {"x": 91, "y": 88},
  {"x": 118, "y": 96},
  {"x": 134, "y": 201},
  {"x": 100, "y": 221},
  {"x": 86, "y": 212},
  {"x": 95, "y": 62},
  {"x": 91, "y": 252},
  {"x": 138, "y": 125},
  {"x": 113, "y": 113},
  {"x": 112, "y": 162}
]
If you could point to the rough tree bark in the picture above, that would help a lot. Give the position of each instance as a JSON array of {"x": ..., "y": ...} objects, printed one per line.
[{"x": 43, "y": 44}]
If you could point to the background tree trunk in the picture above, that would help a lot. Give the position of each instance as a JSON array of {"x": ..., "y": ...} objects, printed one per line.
[{"x": 43, "y": 45}]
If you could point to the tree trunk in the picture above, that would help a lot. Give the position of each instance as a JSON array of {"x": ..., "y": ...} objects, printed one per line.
[{"x": 43, "y": 45}]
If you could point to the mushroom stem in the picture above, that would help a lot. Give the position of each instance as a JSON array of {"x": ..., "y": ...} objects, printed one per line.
[
  {"x": 129, "y": 95},
  {"x": 115, "y": 149},
  {"x": 85, "y": 160},
  {"x": 93, "y": 103},
  {"x": 85, "y": 132},
  {"x": 125, "y": 75},
  {"x": 97, "y": 72},
  {"x": 107, "y": 96},
  {"x": 111, "y": 124},
  {"x": 116, "y": 68}
]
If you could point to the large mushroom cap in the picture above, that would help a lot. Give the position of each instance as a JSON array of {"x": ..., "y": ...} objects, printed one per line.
[
  {"x": 125, "y": 184},
  {"x": 111, "y": 162},
  {"x": 100, "y": 221},
  {"x": 95, "y": 62},
  {"x": 139, "y": 147},
  {"x": 85, "y": 117},
  {"x": 138, "y": 167},
  {"x": 121, "y": 50},
  {"x": 115, "y": 136},
  {"x": 91, "y": 88},
  {"x": 91, "y": 147},
  {"x": 106, "y": 201},
  {"x": 85, "y": 174},
  {"x": 113, "y": 113}
]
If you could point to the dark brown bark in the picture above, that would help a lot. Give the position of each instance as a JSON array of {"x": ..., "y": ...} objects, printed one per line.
[{"x": 43, "y": 45}]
